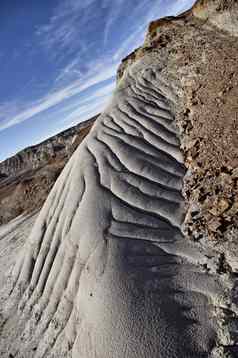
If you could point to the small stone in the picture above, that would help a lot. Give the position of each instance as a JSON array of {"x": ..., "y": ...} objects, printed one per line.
[
  {"x": 219, "y": 208},
  {"x": 214, "y": 224},
  {"x": 190, "y": 144},
  {"x": 235, "y": 173},
  {"x": 233, "y": 210}
]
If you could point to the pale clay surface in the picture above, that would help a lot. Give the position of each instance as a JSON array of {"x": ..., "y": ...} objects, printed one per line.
[{"x": 106, "y": 271}]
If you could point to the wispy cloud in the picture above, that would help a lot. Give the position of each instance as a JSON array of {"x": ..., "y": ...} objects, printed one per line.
[
  {"x": 179, "y": 6},
  {"x": 96, "y": 101},
  {"x": 55, "y": 97}
]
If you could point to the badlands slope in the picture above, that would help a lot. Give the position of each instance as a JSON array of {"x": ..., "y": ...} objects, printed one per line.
[{"x": 110, "y": 269}]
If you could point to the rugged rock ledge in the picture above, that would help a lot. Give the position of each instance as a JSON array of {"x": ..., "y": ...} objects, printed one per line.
[{"x": 134, "y": 252}]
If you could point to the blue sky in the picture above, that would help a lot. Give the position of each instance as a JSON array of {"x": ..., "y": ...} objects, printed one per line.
[{"x": 58, "y": 60}]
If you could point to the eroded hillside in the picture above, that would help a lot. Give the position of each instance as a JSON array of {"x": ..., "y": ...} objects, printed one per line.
[{"x": 134, "y": 252}]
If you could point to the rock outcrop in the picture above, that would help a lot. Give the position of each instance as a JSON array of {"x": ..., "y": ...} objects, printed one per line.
[{"x": 117, "y": 264}]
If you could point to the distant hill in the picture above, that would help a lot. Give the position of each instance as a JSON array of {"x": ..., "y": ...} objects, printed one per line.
[
  {"x": 27, "y": 177},
  {"x": 35, "y": 156}
]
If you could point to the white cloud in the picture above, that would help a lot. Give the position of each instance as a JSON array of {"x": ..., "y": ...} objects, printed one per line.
[
  {"x": 132, "y": 41},
  {"x": 56, "y": 97},
  {"x": 179, "y": 6},
  {"x": 84, "y": 112},
  {"x": 97, "y": 100},
  {"x": 112, "y": 16}
]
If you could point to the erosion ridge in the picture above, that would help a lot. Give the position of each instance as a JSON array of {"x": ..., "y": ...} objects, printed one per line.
[{"x": 117, "y": 264}]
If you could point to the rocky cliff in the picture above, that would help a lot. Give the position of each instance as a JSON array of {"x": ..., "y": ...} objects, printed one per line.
[{"x": 134, "y": 252}]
